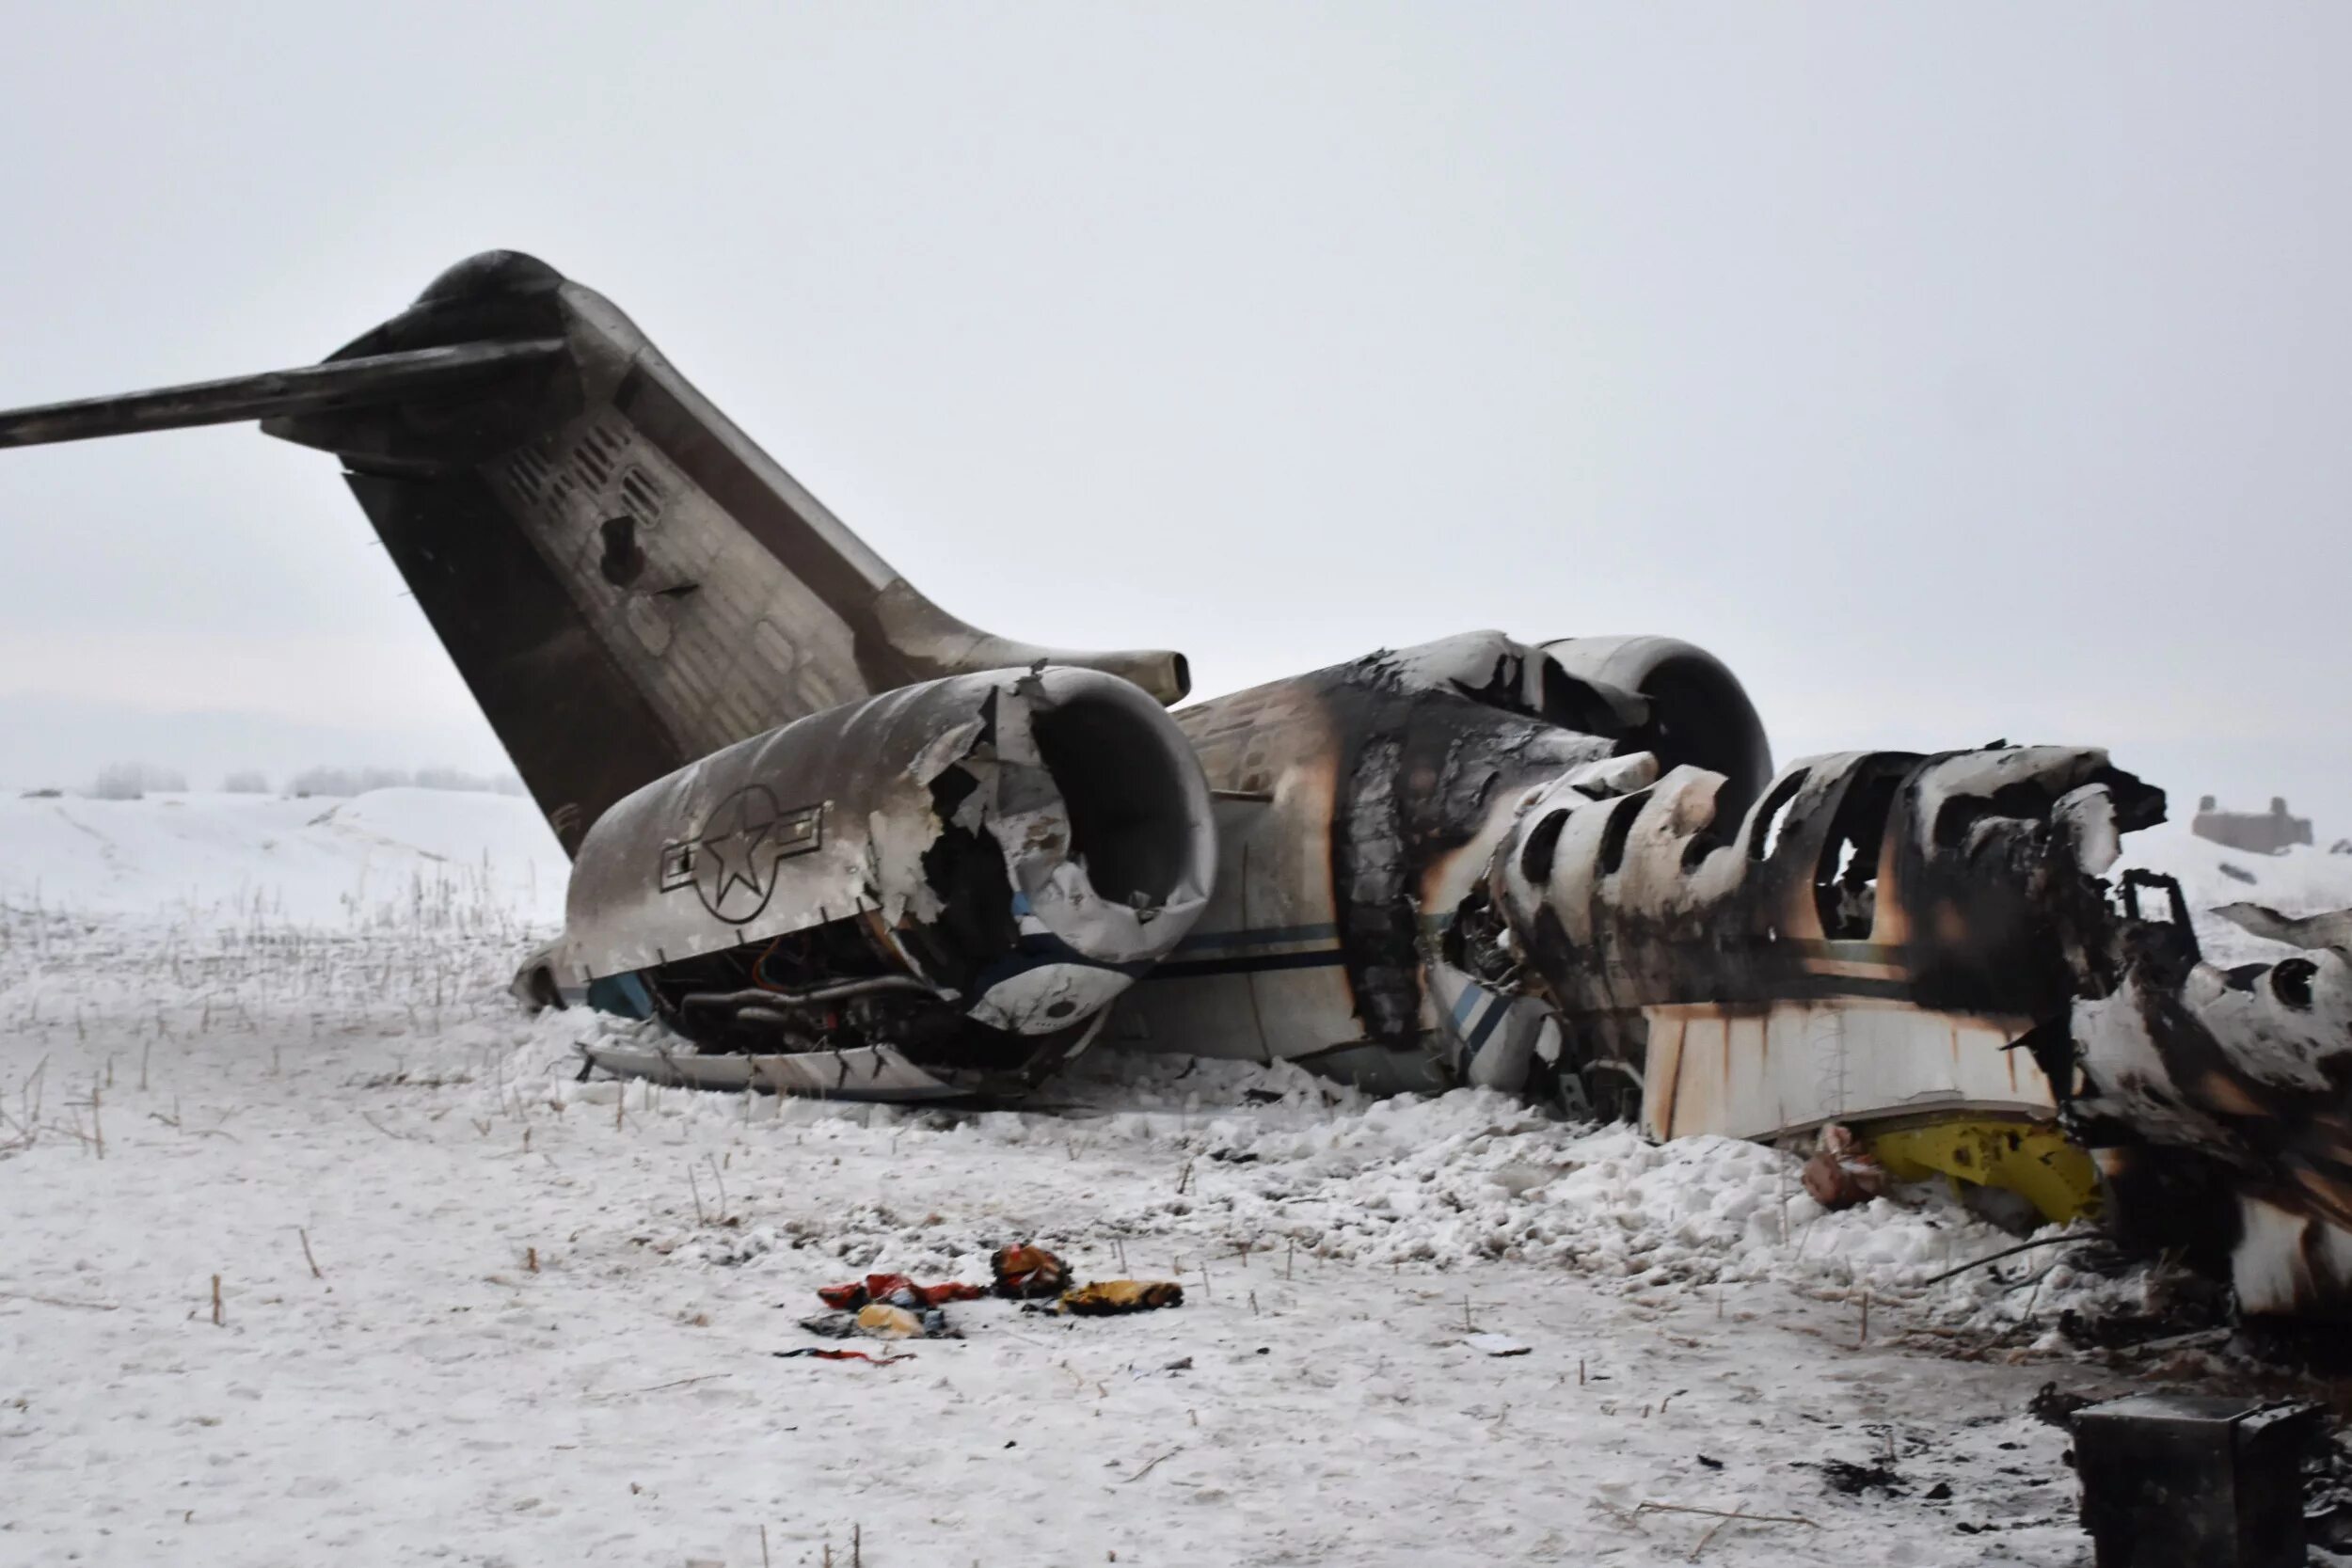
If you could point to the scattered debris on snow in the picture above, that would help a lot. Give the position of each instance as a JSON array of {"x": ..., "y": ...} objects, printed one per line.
[{"x": 471, "y": 1307}]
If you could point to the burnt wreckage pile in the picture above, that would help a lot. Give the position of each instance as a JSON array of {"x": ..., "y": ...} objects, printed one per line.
[{"x": 838, "y": 841}]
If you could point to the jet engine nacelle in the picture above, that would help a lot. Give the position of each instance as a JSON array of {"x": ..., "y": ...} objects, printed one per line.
[
  {"x": 959, "y": 875},
  {"x": 1691, "y": 708}
]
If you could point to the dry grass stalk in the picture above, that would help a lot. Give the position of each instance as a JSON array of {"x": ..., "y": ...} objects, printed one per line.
[
  {"x": 1147, "y": 1469},
  {"x": 306, "y": 1253},
  {"x": 216, "y": 1319},
  {"x": 624, "y": 1393},
  {"x": 385, "y": 1130},
  {"x": 1726, "y": 1514}
]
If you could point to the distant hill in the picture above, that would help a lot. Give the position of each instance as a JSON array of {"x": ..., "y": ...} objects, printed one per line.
[{"x": 299, "y": 859}]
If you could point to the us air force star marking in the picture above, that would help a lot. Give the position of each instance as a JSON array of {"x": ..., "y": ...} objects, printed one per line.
[
  {"x": 733, "y": 866},
  {"x": 736, "y": 872}
]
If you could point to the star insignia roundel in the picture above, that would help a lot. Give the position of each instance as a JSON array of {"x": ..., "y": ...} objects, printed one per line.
[{"x": 733, "y": 865}]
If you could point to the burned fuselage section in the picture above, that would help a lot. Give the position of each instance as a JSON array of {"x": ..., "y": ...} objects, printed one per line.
[
  {"x": 2218, "y": 1100},
  {"x": 1483, "y": 861},
  {"x": 1358, "y": 806},
  {"x": 1569, "y": 870},
  {"x": 935, "y": 891},
  {"x": 1930, "y": 952},
  {"x": 1867, "y": 940}
]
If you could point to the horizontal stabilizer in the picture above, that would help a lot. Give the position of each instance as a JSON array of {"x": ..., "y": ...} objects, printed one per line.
[{"x": 423, "y": 373}]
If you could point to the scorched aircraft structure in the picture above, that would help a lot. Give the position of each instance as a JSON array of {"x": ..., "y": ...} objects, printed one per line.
[{"x": 832, "y": 839}]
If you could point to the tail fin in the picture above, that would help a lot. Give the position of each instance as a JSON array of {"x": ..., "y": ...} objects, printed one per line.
[{"x": 624, "y": 580}]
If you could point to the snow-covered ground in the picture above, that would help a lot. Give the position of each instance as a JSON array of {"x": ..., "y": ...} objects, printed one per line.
[
  {"x": 241, "y": 1034},
  {"x": 2303, "y": 881}
]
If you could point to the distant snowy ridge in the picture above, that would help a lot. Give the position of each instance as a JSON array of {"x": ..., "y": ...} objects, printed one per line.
[{"x": 299, "y": 860}]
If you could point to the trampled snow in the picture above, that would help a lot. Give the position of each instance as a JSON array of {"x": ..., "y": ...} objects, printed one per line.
[{"x": 246, "y": 1034}]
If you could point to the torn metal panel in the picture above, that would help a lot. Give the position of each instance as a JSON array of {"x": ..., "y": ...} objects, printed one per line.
[
  {"x": 867, "y": 1073},
  {"x": 2332, "y": 929},
  {"x": 1771, "y": 1070}
]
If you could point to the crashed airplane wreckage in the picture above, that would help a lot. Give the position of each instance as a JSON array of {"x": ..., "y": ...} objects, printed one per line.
[{"x": 834, "y": 841}]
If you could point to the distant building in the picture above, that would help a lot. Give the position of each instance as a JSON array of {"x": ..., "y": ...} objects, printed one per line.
[{"x": 2267, "y": 833}]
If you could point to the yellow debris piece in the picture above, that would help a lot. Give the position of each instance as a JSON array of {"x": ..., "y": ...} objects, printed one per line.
[
  {"x": 2032, "y": 1158},
  {"x": 1106, "y": 1296},
  {"x": 884, "y": 1321}
]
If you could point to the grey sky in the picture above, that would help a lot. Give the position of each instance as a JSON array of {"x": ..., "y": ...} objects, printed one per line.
[{"x": 1930, "y": 364}]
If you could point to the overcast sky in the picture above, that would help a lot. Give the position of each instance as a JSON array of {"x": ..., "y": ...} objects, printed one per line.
[{"x": 1952, "y": 371}]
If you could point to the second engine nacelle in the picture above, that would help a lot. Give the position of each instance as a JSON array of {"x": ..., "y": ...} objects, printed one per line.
[{"x": 964, "y": 872}]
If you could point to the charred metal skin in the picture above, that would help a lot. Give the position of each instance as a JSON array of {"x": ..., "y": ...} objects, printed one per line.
[
  {"x": 1868, "y": 939},
  {"x": 1357, "y": 805},
  {"x": 949, "y": 882},
  {"x": 2220, "y": 1103}
]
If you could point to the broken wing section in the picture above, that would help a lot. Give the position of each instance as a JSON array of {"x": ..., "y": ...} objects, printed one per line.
[{"x": 936, "y": 891}]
